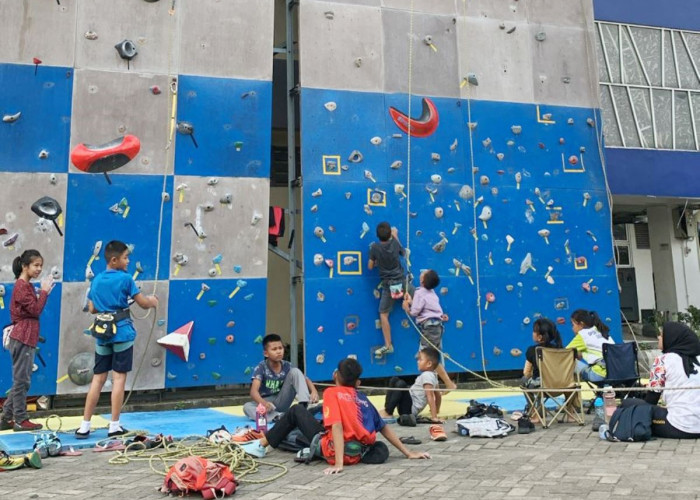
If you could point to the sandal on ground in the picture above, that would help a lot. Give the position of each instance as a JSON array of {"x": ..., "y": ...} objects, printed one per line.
[
  {"x": 437, "y": 433},
  {"x": 422, "y": 419},
  {"x": 410, "y": 440},
  {"x": 516, "y": 415}
]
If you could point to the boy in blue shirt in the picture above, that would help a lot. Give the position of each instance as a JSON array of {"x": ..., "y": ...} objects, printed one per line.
[
  {"x": 275, "y": 383},
  {"x": 110, "y": 292}
]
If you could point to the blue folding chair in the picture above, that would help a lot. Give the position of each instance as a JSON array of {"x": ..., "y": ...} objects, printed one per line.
[{"x": 622, "y": 366}]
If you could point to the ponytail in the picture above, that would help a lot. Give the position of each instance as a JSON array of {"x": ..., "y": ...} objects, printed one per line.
[
  {"x": 590, "y": 319},
  {"x": 24, "y": 260}
]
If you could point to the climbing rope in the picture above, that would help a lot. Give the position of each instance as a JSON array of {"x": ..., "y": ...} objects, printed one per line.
[
  {"x": 167, "y": 452},
  {"x": 408, "y": 143}
]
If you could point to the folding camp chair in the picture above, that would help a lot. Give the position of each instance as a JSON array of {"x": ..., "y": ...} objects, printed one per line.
[
  {"x": 622, "y": 367},
  {"x": 556, "y": 367}
]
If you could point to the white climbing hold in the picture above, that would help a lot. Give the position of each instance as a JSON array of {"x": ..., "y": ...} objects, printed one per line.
[
  {"x": 466, "y": 192},
  {"x": 397, "y": 164},
  {"x": 330, "y": 106},
  {"x": 436, "y": 178},
  {"x": 376, "y": 140}
]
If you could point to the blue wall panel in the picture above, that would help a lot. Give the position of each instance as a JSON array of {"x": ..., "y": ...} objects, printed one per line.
[
  {"x": 43, "y": 98},
  {"x": 558, "y": 162},
  {"x": 89, "y": 219},
  {"x": 44, "y": 378},
  {"x": 680, "y": 14},
  {"x": 224, "y": 362},
  {"x": 653, "y": 172},
  {"x": 232, "y": 127}
]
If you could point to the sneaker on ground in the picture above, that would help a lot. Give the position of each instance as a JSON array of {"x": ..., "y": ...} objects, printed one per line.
[
  {"x": 246, "y": 435},
  {"x": 119, "y": 432},
  {"x": 525, "y": 425},
  {"x": 26, "y": 425},
  {"x": 379, "y": 353},
  {"x": 254, "y": 448},
  {"x": 6, "y": 425}
]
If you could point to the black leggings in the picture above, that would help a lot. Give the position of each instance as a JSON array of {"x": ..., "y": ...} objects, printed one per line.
[
  {"x": 398, "y": 399},
  {"x": 660, "y": 426}
]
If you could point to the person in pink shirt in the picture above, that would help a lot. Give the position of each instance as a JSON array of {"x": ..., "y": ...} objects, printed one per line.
[
  {"x": 425, "y": 307},
  {"x": 25, "y": 307}
]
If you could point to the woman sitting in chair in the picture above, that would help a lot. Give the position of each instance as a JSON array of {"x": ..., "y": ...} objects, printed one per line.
[
  {"x": 677, "y": 367},
  {"x": 590, "y": 333},
  {"x": 544, "y": 334}
]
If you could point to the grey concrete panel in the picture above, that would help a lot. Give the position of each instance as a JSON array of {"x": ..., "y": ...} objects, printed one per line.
[
  {"x": 434, "y": 71},
  {"x": 344, "y": 52},
  {"x": 148, "y": 25},
  {"x": 447, "y": 7},
  {"x": 507, "y": 11},
  {"x": 38, "y": 29},
  {"x": 73, "y": 341},
  {"x": 126, "y": 106},
  {"x": 562, "y": 13},
  {"x": 228, "y": 227},
  {"x": 231, "y": 38},
  {"x": 564, "y": 56},
  {"x": 33, "y": 232},
  {"x": 501, "y": 60}
]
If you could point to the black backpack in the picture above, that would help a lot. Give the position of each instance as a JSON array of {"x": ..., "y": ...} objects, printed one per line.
[{"x": 631, "y": 423}]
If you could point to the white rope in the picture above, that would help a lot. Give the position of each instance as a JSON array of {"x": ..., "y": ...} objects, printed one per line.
[{"x": 408, "y": 148}]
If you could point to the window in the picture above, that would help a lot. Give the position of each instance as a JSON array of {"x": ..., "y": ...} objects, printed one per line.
[
  {"x": 623, "y": 257},
  {"x": 649, "y": 86},
  {"x": 620, "y": 232}
]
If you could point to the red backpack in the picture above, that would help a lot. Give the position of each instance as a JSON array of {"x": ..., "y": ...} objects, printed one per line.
[{"x": 190, "y": 474}]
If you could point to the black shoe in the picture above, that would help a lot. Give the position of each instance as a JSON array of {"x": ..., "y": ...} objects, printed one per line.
[
  {"x": 6, "y": 425},
  {"x": 475, "y": 409},
  {"x": 82, "y": 435},
  {"x": 494, "y": 411},
  {"x": 117, "y": 433},
  {"x": 525, "y": 425}
]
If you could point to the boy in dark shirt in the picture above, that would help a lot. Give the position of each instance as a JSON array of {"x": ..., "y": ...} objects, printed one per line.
[{"x": 386, "y": 257}]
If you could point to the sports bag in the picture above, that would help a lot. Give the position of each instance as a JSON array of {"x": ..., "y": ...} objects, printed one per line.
[
  {"x": 630, "y": 423},
  {"x": 190, "y": 474},
  {"x": 104, "y": 326},
  {"x": 489, "y": 427}
]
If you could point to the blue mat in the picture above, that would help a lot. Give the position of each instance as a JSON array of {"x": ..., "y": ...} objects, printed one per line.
[
  {"x": 511, "y": 403},
  {"x": 176, "y": 423}
]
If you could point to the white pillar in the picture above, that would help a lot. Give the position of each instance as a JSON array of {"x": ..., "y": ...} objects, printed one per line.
[{"x": 675, "y": 262}]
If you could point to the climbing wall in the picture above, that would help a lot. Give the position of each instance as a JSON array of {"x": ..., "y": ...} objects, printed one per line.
[
  {"x": 192, "y": 202},
  {"x": 500, "y": 187}
]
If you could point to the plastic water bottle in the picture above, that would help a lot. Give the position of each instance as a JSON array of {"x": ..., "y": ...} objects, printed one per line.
[
  {"x": 609, "y": 403},
  {"x": 599, "y": 411},
  {"x": 261, "y": 418},
  {"x": 602, "y": 432}
]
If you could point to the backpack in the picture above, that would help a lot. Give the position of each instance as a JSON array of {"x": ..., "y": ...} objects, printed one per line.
[
  {"x": 630, "y": 423},
  {"x": 211, "y": 479},
  {"x": 294, "y": 442},
  {"x": 483, "y": 427}
]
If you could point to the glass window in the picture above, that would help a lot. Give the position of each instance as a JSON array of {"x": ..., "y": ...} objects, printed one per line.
[
  {"x": 620, "y": 232},
  {"x": 649, "y": 86},
  {"x": 623, "y": 256}
]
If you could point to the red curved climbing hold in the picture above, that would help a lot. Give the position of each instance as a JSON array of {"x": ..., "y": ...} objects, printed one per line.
[
  {"x": 105, "y": 157},
  {"x": 420, "y": 127}
]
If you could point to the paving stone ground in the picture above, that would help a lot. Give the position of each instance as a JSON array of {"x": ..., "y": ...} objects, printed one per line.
[{"x": 564, "y": 461}]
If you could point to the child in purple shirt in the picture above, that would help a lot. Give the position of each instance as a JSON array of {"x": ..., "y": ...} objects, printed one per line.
[{"x": 425, "y": 307}]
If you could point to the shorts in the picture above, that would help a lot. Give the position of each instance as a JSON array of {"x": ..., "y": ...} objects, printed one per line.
[
  {"x": 118, "y": 361},
  {"x": 386, "y": 302},
  {"x": 431, "y": 330}
]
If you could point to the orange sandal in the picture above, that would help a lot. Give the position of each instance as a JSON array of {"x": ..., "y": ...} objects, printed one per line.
[{"x": 437, "y": 433}]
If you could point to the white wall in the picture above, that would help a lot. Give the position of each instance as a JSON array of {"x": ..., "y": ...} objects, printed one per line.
[{"x": 641, "y": 260}]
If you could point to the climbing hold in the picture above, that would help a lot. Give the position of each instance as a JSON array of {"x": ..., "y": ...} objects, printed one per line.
[
  {"x": 509, "y": 288},
  {"x": 258, "y": 339},
  {"x": 320, "y": 296},
  {"x": 485, "y": 216},
  {"x": 436, "y": 178},
  {"x": 472, "y": 125},
  {"x": 516, "y": 129},
  {"x": 423, "y": 126},
  {"x": 248, "y": 370},
  {"x": 11, "y": 118},
  {"x": 211, "y": 303},
  {"x": 49, "y": 209},
  {"x": 486, "y": 142},
  {"x": 211, "y": 340},
  {"x": 317, "y": 193},
  {"x": 510, "y": 240},
  {"x": 230, "y": 324},
  {"x": 497, "y": 351},
  {"x": 439, "y": 212},
  {"x": 319, "y": 329},
  {"x": 355, "y": 157},
  {"x": 466, "y": 192},
  {"x": 126, "y": 50},
  {"x": 348, "y": 195},
  {"x": 400, "y": 190},
  {"x": 586, "y": 197},
  {"x": 358, "y": 61},
  {"x": 257, "y": 217},
  {"x": 105, "y": 157},
  {"x": 490, "y": 299},
  {"x": 320, "y": 358},
  {"x": 459, "y": 324},
  {"x": 90, "y": 35},
  {"x": 187, "y": 128},
  {"x": 590, "y": 233},
  {"x": 526, "y": 264},
  {"x": 453, "y": 146},
  {"x": 472, "y": 79},
  {"x": 155, "y": 89},
  {"x": 484, "y": 180},
  {"x": 368, "y": 175},
  {"x": 526, "y": 320},
  {"x": 598, "y": 206},
  {"x": 229, "y": 339},
  {"x": 376, "y": 140},
  {"x": 544, "y": 233},
  {"x": 43, "y": 154},
  {"x": 397, "y": 164},
  {"x": 457, "y": 225},
  {"x": 540, "y": 36},
  {"x": 330, "y": 106},
  {"x": 500, "y": 156},
  {"x": 211, "y": 272},
  {"x": 590, "y": 122}
]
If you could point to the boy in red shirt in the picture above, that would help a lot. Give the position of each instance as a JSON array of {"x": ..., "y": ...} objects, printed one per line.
[{"x": 348, "y": 434}]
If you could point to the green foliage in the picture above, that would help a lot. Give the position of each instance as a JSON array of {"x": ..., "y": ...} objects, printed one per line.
[{"x": 691, "y": 318}]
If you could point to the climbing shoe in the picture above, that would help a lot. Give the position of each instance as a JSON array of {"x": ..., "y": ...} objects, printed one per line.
[
  {"x": 382, "y": 351},
  {"x": 26, "y": 425}
]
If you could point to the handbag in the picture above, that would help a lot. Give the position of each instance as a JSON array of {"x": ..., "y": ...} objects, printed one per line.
[{"x": 6, "y": 331}]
